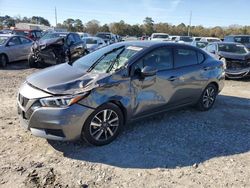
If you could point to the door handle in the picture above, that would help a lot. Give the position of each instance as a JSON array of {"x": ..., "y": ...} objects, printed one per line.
[{"x": 172, "y": 78}]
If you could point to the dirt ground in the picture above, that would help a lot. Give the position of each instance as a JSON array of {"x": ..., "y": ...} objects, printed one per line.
[{"x": 183, "y": 148}]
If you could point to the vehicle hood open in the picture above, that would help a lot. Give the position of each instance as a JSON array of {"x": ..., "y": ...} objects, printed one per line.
[
  {"x": 235, "y": 56},
  {"x": 64, "y": 79}
]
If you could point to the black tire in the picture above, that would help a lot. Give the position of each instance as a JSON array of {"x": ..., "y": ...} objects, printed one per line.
[
  {"x": 32, "y": 61},
  {"x": 207, "y": 98},
  {"x": 3, "y": 60},
  {"x": 95, "y": 125}
]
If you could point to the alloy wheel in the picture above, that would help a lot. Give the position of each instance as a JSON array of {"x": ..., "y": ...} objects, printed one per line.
[
  {"x": 104, "y": 125},
  {"x": 209, "y": 97}
]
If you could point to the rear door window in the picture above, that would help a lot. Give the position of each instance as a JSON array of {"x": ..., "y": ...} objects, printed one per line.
[{"x": 185, "y": 57}]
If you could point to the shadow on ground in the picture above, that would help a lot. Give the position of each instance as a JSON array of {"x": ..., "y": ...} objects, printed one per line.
[{"x": 178, "y": 138}]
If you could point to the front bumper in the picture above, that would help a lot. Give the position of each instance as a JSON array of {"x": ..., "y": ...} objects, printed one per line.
[
  {"x": 51, "y": 123},
  {"x": 237, "y": 73}
]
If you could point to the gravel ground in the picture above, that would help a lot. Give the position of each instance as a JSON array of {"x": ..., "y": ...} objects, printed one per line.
[{"x": 183, "y": 148}]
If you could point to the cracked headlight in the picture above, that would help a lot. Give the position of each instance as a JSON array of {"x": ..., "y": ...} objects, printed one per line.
[{"x": 63, "y": 101}]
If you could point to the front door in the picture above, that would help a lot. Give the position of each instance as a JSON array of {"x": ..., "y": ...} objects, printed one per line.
[{"x": 154, "y": 92}]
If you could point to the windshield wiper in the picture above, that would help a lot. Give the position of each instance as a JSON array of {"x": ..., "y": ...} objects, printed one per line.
[
  {"x": 116, "y": 58},
  {"x": 104, "y": 55}
]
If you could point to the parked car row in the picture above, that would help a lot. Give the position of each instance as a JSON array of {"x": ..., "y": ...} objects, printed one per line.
[{"x": 49, "y": 48}]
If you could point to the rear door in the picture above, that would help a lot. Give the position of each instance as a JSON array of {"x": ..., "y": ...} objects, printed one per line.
[
  {"x": 25, "y": 47},
  {"x": 13, "y": 49},
  {"x": 187, "y": 75}
]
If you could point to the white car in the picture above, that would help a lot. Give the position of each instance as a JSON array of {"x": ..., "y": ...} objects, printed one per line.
[
  {"x": 210, "y": 39},
  {"x": 160, "y": 37},
  {"x": 93, "y": 43},
  {"x": 184, "y": 39}
]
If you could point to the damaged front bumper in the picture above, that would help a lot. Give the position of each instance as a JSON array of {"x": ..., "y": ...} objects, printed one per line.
[{"x": 237, "y": 73}]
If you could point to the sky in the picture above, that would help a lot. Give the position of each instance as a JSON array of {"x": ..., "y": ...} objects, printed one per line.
[{"x": 208, "y": 13}]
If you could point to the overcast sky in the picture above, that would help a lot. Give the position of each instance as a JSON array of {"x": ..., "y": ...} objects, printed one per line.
[{"x": 205, "y": 12}]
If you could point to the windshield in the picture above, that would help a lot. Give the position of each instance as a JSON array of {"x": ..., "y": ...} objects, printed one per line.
[
  {"x": 3, "y": 39},
  {"x": 232, "y": 48},
  {"x": 186, "y": 39},
  {"x": 103, "y": 35},
  {"x": 160, "y": 36},
  {"x": 108, "y": 59},
  {"x": 91, "y": 41},
  {"x": 53, "y": 35},
  {"x": 243, "y": 39},
  {"x": 201, "y": 44}
]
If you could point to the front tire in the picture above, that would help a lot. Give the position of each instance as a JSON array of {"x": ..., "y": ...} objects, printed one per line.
[
  {"x": 3, "y": 60},
  {"x": 103, "y": 125},
  {"x": 207, "y": 98}
]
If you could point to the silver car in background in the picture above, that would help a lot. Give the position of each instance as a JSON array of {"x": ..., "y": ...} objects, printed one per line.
[
  {"x": 14, "y": 48},
  {"x": 93, "y": 43}
]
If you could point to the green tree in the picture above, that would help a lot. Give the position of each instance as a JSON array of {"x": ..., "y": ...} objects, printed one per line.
[
  {"x": 148, "y": 25},
  {"x": 93, "y": 26}
]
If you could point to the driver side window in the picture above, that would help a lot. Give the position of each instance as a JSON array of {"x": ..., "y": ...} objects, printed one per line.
[
  {"x": 161, "y": 59},
  {"x": 14, "y": 41}
]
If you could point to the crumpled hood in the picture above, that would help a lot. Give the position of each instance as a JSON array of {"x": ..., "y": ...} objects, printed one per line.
[
  {"x": 64, "y": 79},
  {"x": 47, "y": 42},
  {"x": 228, "y": 55}
]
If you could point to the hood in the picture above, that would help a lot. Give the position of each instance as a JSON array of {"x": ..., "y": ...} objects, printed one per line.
[
  {"x": 229, "y": 55},
  {"x": 64, "y": 79},
  {"x": 47, "y": 42}
]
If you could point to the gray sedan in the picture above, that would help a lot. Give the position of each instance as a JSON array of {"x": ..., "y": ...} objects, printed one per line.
[
  {"x": 14, "y": 48},
  {"x": 95, "y": 96}
]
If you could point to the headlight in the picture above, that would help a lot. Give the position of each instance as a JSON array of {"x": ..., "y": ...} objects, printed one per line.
[
  {"x": 63, "y": 101},
  {"x": 224, "y": 62}
]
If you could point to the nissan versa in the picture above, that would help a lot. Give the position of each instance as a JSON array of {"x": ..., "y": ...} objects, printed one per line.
[{"x": 94, "y": 97}]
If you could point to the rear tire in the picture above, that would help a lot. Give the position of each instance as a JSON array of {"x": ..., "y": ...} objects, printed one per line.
[
  {"x": 207, "y": 98},
  {"x": 103, "y": 125},
  {"x": 3, "y": 60},
  {"x": 32, "y": 61}
]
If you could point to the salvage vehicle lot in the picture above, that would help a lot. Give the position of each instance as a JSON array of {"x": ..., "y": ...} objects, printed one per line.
[{"x": 180, "y": 148}]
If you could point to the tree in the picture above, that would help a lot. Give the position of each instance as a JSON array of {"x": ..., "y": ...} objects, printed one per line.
[
  {"x": 39, "y": 20},
  {"x": 93, "y": 26},
  {"x": 78, "y": 25},
  {"x": 69, "y": 24},
  {"x": 148, "y": 25},
  {"x": 104, "y": 28}
]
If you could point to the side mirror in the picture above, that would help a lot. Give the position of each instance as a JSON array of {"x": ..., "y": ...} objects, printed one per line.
[
  {"x": 148, "y": 71},
  {"x": 11, "y": 44}
]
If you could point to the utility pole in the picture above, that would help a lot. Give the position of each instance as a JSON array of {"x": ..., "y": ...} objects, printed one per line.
[
  {"x": 56, "y": 16},
  {"x": 190, "y": 23}
]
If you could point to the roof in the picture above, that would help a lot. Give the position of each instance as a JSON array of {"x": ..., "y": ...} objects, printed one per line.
[{"x": 153, "y": 43}]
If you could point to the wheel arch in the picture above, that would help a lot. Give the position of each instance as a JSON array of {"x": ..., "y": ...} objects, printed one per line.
[
  {"x": 123, "y": 109},
  {"x": 6, "y": 55}
]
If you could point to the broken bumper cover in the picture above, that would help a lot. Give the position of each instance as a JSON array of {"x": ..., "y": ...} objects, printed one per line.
[
  {"x": 57, "y": 123},
  {"x": 238, "y": 73}
]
